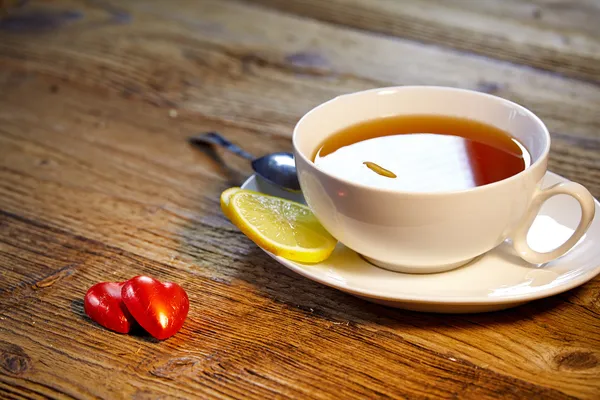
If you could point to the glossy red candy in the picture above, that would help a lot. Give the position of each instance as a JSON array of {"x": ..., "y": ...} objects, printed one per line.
[
  {"x": 160, "y": 308},
  {"x": 102, "y": 303}
]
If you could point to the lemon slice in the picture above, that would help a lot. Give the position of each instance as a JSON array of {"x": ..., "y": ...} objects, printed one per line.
[{"x": 282, "y": 227}]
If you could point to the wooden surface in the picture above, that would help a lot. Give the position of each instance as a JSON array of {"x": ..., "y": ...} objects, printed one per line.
[{"x": 97, "y": 183}]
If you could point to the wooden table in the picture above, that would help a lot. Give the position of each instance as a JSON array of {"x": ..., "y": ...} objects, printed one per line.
[{"x": 98, "y": 183}]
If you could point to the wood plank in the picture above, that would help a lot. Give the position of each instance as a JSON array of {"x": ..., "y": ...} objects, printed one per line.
[
  {"x": 137, "y": 190},
  {"x": 97, "y": 182},
  {"x": 558, "y": 36},
  {"x": 214, "y": 60},
  {"x": 239, "y": 343}
]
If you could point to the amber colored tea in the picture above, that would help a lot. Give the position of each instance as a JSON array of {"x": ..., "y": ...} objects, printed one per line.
[{"x": 422, "y": 153}]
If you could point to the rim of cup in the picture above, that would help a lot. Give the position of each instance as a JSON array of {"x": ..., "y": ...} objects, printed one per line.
[{"x": 543, "y": 156}]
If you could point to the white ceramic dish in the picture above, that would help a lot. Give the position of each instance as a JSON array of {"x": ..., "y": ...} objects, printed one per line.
[{"x": 494, "y": 281}]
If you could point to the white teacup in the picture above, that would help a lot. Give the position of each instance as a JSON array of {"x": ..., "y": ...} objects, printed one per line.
[{"x": 431, "y": 232}]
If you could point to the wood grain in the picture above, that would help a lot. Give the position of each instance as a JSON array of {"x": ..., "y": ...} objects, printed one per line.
[
  {"x": 214, "y": 60},
  {"x": 557, "y": 36},
  {"x": 98, "y": 183}
]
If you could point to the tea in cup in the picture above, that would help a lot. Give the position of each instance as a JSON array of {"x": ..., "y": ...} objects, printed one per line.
[{"x": 422, "y": 179}]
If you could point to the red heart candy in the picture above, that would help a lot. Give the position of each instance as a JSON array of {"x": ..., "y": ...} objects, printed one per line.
[
  {"x": 102, "y": 303},
  {"x": 160, "y": 308}
]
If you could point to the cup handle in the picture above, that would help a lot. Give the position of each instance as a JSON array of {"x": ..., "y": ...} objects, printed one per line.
[{"x": 588, "y": 209}]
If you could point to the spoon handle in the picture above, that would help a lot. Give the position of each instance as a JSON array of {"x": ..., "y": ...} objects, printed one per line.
[{"x": 213, "y": 138}]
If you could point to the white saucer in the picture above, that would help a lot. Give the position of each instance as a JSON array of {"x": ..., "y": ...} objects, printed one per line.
[{"x": 494, "y": 281}]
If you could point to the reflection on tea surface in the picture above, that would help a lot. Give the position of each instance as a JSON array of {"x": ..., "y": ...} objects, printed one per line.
[{"x": 454, "y": 154}]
